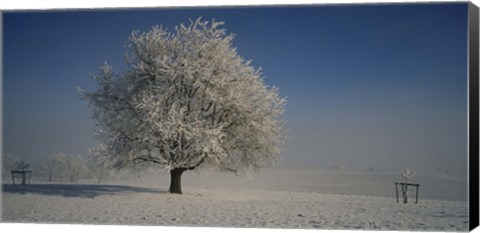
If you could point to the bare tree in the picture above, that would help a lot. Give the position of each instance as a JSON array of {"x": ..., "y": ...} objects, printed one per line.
[{"x": 187, "y": 101}]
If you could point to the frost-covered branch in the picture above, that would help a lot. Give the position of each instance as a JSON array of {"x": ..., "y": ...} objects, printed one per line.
[{"x": 187, "y": 101}]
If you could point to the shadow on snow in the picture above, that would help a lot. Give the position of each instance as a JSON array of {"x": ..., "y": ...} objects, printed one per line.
[{"x": 76, "y": 190}]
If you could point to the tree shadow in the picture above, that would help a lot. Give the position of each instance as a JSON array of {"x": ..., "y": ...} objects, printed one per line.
[{"x": 76, "y": 190}]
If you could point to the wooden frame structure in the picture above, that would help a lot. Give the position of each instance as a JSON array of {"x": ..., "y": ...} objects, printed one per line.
[
  {"x": 405, "y": 191},
  {"x": 21, "y": 174}
]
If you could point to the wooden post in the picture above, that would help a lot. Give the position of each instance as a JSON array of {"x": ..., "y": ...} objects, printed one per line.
[
  {"x": 21, "y": 175},
  {"x": 416, "y": 195},
  {"x": 24, "y": 178},
  {"x": 405, "y": 191},
  {"x": 29, "y": 177},
  {"x": 396, "y": 191},
  {"x": 13, "y": 178}
]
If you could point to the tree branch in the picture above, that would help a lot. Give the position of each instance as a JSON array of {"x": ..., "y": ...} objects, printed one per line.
[{"x": 149, "y": 159}]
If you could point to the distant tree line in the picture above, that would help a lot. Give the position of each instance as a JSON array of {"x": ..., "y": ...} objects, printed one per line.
[{"x": 59, "y": 167}]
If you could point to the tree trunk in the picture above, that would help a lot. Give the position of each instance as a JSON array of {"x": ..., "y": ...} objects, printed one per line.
[
  {"x": 175, "y": 180},
  {"x": 49, "y": 178},
  {"x": 24, "y": 179}
]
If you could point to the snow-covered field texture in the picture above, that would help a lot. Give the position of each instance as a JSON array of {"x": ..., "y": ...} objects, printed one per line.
[{"x": 275, "y": 198}]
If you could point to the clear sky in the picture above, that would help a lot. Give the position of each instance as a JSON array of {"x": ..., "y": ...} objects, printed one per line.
[{"x": 381, "y": 86}]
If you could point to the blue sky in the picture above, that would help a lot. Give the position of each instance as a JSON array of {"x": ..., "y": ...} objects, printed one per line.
[{"x": 381, "y": 86}]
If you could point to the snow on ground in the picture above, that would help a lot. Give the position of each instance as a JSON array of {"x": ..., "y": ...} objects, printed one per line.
[{"x": 278, "y": 198}]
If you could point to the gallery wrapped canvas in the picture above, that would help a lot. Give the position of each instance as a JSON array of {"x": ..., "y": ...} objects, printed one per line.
[{"x": 327, "y": 117}]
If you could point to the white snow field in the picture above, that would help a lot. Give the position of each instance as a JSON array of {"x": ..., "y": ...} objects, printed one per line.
[{"x": 276, "y": 198}]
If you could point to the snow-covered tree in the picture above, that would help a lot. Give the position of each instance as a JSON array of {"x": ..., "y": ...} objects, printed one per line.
[
  {"x": 186, "y": 101},
  {"x": 15, "y": 164},
  {"x": 407, "y": 174},
  {"x": 22, "y": 165},
  {"x": 53, "y": 166},
  {"x": 97, "y": 170},
  {"x": 9, "y": 163},
  {"x": 76, "y": 167}
]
